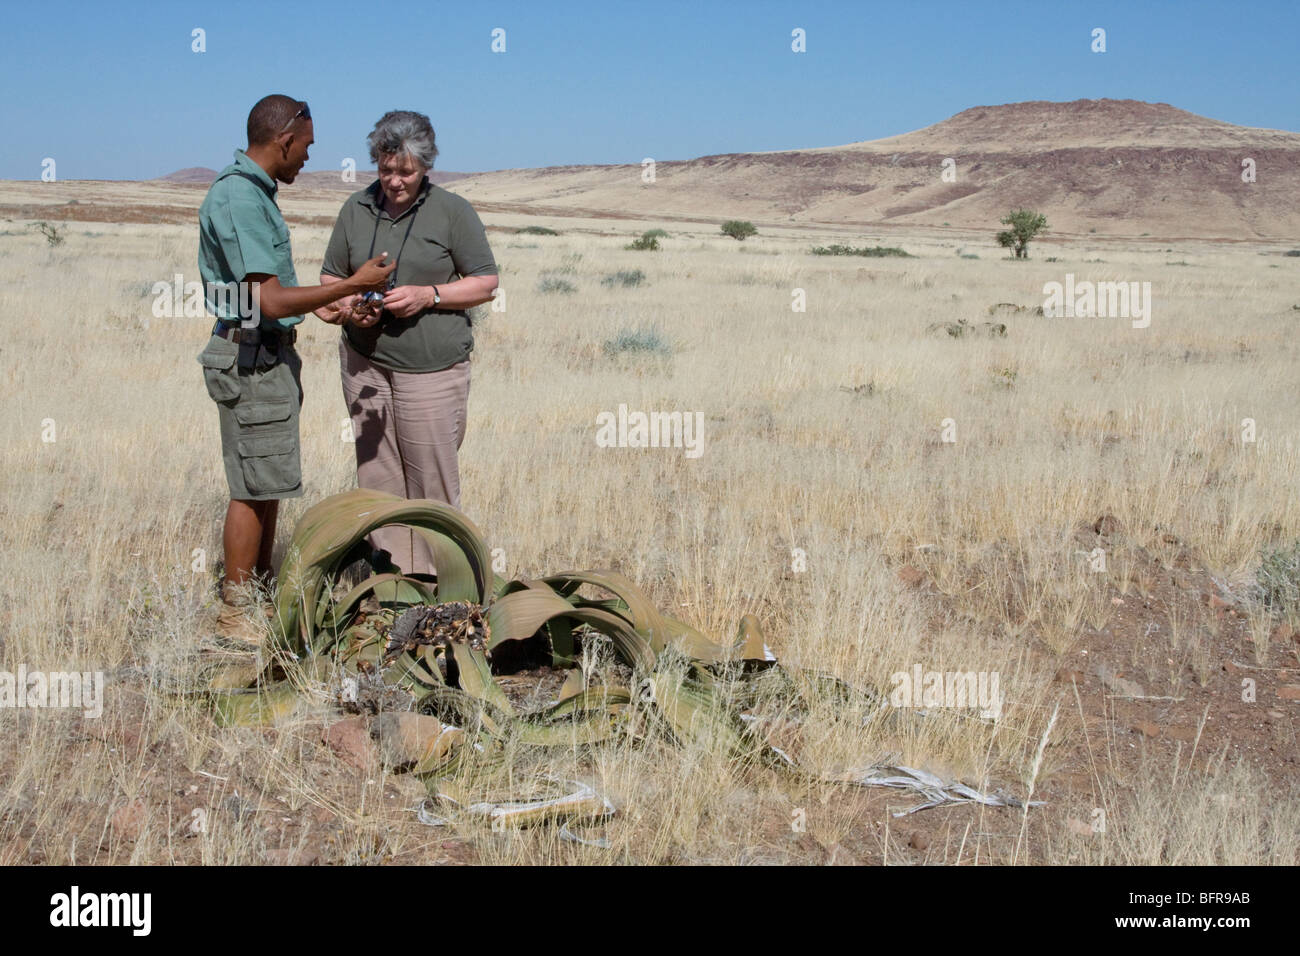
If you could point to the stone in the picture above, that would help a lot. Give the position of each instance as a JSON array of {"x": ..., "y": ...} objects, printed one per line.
[
  {"x": 350, "y": 739},
  {"x": 408, "y": 738},
  {"x": 911, "y": 576},
  {"x": 1107, "y": 525},
  {"x": 1146, "y": 728},
  {"x": 129, "y": 819}
]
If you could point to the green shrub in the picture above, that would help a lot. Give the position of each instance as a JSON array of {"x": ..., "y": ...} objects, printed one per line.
[
  {"x": 627, "y": 278},
  {"x": 642, "y": 341},
  {"x": 738, "y": 229},
  {"x": 51, "y": 233},
  {"x": 655, "y": 234},
  {"x": 535, "y": 231},
  {"x": 568, "y": 265},
  {"x": 1292, "y": 252},
  {"x": 646, "y": 243},
  {"x": 1278, "y": 578},
  {"x": 873, "y": 252},
  {"x": 555, "y": 284}
]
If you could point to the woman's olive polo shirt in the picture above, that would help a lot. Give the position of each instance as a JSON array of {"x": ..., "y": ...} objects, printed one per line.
[{"x": 446, "y": 242}]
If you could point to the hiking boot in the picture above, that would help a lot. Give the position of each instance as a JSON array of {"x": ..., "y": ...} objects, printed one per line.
[{"x": 237, "y": 629}]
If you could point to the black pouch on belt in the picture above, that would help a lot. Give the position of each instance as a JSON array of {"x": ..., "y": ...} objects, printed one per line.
[
  {"x": 258, "y": 349},
  {"x": 249, "y": 346},
  {"x": 268, "y": 352}
]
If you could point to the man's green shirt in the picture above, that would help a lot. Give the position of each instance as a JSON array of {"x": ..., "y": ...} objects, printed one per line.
[
  {"x": 242, "y": 232},
  {"x": 446, "y": 241}
]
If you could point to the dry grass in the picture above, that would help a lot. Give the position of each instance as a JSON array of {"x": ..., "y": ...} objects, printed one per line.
[{"x": 102, "y": 524}]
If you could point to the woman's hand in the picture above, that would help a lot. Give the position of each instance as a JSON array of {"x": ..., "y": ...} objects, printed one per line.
[
  {"x": 339, "y": 311},
  {"x": 331, "y": 313},
  {"x": 407, "y": 300}
]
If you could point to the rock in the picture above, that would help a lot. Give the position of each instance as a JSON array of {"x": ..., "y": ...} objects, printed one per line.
[
  {"x": 1289, "y": 692},
  {"x": 1067, "y": 676},
  {"x": 837, "y": 855},
  {"x": 1217, "y": 603},
  {"x": 408, "y": 738},
  {"x": 1078, "y": 827},
  {"x": 350, "y": 739},
  {"x": 1006, "y": 308},
  {"x": 128, "y": 820},
  {"x": 919, "y": 841},
  {"x": 1118, "y": 685},
  {"x": 911, "y": 576},
  {"x": 1146, "y": 728},
  {"x": 1107, "y": 525}
]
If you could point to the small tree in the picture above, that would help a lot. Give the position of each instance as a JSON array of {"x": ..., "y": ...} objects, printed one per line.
[
  {"x": 51, "y": 233},
  {"x": 1025, "y": 225},
  {"x": 738, "y": 230}
]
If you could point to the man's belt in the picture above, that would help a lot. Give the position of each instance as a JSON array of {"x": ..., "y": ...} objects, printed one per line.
[{"x": 271, "y": 337}]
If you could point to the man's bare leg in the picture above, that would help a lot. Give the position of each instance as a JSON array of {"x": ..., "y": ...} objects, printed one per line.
[
  {"x": 246, "y": 541},
  {"x": 248, "y": 538},
  {"x": 270, "y": 512}
]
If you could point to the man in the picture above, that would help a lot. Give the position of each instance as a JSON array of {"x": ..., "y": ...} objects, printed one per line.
[{"x": 249, "y": 366}]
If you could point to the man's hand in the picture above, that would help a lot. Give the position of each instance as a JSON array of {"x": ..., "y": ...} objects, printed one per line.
[
  {"x": 406, "y": 300},
  {"x": 363, "y": 316},
  {"x": 331, "y": 313},
  {"x": 339, "y": 311},
  {"x": 373, "y": 275}
]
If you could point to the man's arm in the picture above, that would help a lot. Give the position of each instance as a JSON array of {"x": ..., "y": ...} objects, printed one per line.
[
  {"x": 274, "y": 301},
  {"x": 338, "y": 311}
]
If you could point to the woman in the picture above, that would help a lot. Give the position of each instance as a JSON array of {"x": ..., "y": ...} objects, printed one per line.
[{"x": 406, "y": 364}]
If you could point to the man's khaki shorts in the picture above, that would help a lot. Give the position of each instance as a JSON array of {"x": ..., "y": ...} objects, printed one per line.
[{"x": 258, "y": 411}]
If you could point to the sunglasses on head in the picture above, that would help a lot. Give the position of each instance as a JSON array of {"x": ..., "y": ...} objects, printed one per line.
[{"x": 305, "y": 113}]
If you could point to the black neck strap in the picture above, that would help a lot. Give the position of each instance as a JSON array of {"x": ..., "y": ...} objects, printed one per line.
[{"x": 392, "y": 278}]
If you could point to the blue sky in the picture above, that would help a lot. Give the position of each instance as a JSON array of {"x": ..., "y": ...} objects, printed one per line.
[{"x": 114, "y": 91}]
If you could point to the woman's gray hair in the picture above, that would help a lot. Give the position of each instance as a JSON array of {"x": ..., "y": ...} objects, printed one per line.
[{"x": 403, "y": 132}]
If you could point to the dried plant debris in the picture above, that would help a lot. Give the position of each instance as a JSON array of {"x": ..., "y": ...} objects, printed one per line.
[{"x": 439, "y": 625}]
